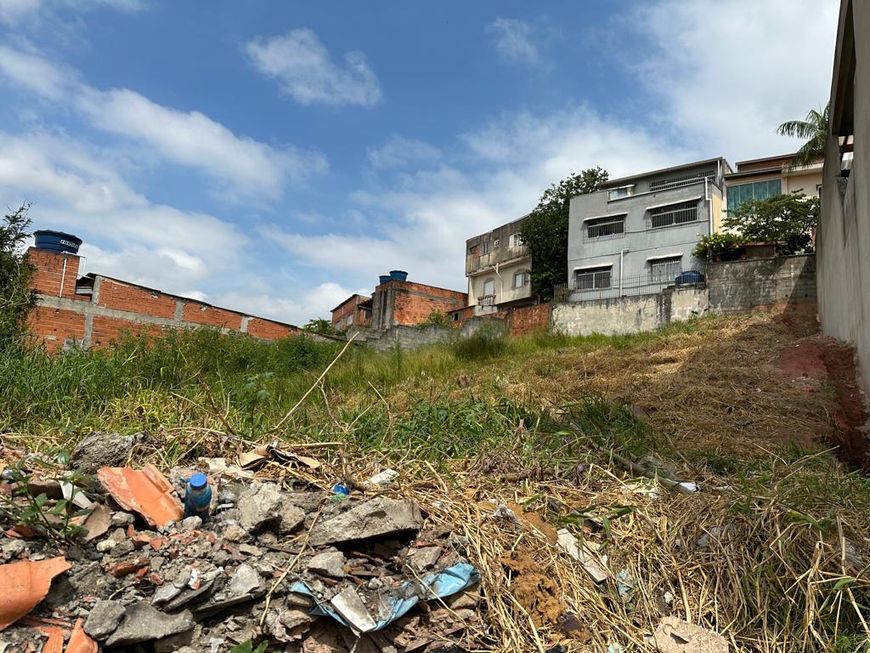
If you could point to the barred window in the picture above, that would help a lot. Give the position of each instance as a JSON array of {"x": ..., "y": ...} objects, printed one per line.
[
  {"x": 665, "y": 269},
  {"x": 605, "y": 227},
  {"x": 673, "y": 214},
  {"x": 592, "y": 278}
]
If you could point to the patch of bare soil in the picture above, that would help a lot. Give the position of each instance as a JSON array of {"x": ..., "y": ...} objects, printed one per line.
[{"x": 817, "y": 364}]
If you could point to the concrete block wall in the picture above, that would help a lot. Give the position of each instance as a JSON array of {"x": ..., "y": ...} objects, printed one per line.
[
  {"x": 64, "y": 318},
  {"x": 739, "y": 285}
]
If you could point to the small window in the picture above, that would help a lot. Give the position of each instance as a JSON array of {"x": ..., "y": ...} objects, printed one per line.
[
  {"x": 522, "y": 279},
  {"x": 592, "y": 278},
  {"x": 489, "y": 287},
  {"x": 605, "y": 227},
  {"x": 516, "y": 240},
  {"x": 674, "y": 214},
  {"x": 455, "y": 317},
  {"x": 622, "y": 191},
  {"x": 665, "y": 270}
]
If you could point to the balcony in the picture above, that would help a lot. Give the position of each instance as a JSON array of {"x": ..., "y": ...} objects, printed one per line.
[{"x": 476, "y": 262}]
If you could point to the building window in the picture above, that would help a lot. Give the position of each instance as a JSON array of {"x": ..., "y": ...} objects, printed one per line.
[
  {"x": 489, "y": 287},
  {"x": 673, "y": 214},
  {"x": 516, "y": 240},
  {"x": 622, "y": 191},
  {"x": 665, "y": 270},
  {"x": 605, "y": 227},
  {"x": 522, "y": 279},
  {"x": 759, "y": 190},
  {"x": 592, "y": 278},
  {"x": 486, "y": 247}
]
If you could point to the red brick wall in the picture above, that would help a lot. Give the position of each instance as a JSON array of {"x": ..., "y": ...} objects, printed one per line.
[
  {"x": 267, "y": 330},
  {"x": 54, "y": 326},
  {"x": 106, "y": 329},
  {"x": 415, "y": 302},
  {"x": 528, "y": 319},
  {"x": 339, "y": 315},
  {"x": 49, "y": 272},
  {"x": 211, "y": 316},
  {"x": 125, "y": 297}
]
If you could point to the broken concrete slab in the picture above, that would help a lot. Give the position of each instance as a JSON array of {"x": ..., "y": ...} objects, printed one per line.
[
  {"x": 244, "y": 585},
  {"x": 377, "y": 517},
  {"x": 674, "y": 635},
  {"x": 103, "y": 619},
  {"x": 328, "y": 563},
  {"x": 143, "y": 623},
  {"x": 422, "y": 559},
  {"x": 292, "y": 518},
  {"x": 260, "y": 505}
]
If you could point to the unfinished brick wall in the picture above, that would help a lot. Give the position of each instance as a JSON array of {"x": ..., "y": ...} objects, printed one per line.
[
  {"x": 49, "y": 272},
  {"x": 528, "y": 319},
  {"x": 63, "y": 318},
  {"x": 348, "y": 314},
  {"x": 105, "y": 330},
  {"x": 56, "y": 328},
  {"x": 415, "y": 302},
  {"x": 197, "y": 313},
  {"x": 136, "y": 299},
  {"x": 268, "y": 330}
]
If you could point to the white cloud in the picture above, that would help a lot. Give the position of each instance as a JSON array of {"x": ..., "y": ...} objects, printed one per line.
[
  {"x": 425, "y": 217},
  {"x": 306, "y": 72},
  {"x": 297, "y": 309},
  {"x": 515, "y": 40},
  {"x": 399, "y": 151},
  {"x": 728, "y": 73},
  {"x": 244, "y": 167},
  {"x": 13, "y": 12},
  {"x": 77, "y": 189}
]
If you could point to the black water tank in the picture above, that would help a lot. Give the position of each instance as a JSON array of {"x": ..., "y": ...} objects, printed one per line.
[{"x": 57, "y": 241}]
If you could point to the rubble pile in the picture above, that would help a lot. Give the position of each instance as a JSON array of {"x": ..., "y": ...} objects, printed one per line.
[{"x": 302, "y": 568}]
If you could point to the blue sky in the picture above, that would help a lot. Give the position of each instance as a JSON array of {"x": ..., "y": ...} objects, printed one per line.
[{"x": 276, "y": 156}]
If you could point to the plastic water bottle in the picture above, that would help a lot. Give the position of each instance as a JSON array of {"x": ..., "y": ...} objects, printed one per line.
[{"x": 197, "y": 496}]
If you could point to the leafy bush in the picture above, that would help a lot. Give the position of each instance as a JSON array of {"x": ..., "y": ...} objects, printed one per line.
[
  {"x": 725, "y": 246},
  {"x": 438, "y": 318},
  {"x": 787, "y": 220},
  {"x": 16, "y": 297},
  {"x": 488, "y": 341}
]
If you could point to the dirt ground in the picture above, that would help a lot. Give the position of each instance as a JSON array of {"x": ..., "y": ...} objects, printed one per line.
[{"x": 747, "y": 385}]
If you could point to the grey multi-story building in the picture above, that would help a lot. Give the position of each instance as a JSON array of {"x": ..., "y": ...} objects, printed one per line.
[{"x": 636, "y": 235}]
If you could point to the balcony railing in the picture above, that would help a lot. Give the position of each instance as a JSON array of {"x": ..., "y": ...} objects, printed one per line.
[
  {"x": 679, "y": 214},
  {"x": 475, "y": 262},
  {"x": 486, "y": 300}
]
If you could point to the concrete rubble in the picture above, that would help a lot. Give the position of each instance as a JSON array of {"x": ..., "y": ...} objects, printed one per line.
[{"x": 137, "y": 585}]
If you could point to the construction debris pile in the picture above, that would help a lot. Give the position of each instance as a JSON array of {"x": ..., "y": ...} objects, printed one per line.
[{"x": 305, "y": 569}]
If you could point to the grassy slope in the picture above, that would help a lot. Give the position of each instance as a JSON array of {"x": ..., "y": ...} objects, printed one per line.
[{"x": 513, "y": 421}]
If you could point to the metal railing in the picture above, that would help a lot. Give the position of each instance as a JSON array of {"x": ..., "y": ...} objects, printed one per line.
[
  {"x": 679, "y": 182},
  {"x": 604, "y": 230},
  {"x": 486, "y": 300},
  {"x": 650, "y": 283}
]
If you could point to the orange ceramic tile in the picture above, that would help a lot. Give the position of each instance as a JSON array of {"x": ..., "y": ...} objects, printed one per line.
[
  {"x": 24, "y": 585},
  {"x": 145, "y": 491}
]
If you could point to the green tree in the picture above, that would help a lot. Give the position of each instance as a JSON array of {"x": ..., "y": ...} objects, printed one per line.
[
  {"x": 814, "y": 130},
  {"x": 16, "y": 296},
  {"x": 320, "y": 327},
  {"x": 545, "y": 230},
  {"x": 788, "y": 220}
]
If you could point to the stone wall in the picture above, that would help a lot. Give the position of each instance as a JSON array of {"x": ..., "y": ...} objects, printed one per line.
[
  {"x": 628, "y": 314},
  {"x": 731, "y": 286},
  {"x": 739, "y": 285}
]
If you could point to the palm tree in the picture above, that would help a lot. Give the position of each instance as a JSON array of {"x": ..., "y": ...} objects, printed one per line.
[{"x": 814, "y": 129}]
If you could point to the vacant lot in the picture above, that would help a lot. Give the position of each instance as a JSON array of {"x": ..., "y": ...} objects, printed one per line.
[{"x": 772, "y": 552}]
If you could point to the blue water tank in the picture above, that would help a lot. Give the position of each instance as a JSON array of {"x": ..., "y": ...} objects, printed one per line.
[
  {"x": 384, "y": 278},
  {"x": 398, "y": 275},
  {"x": 689, "y": 277},
  {"x": 57, "y": 241}
]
